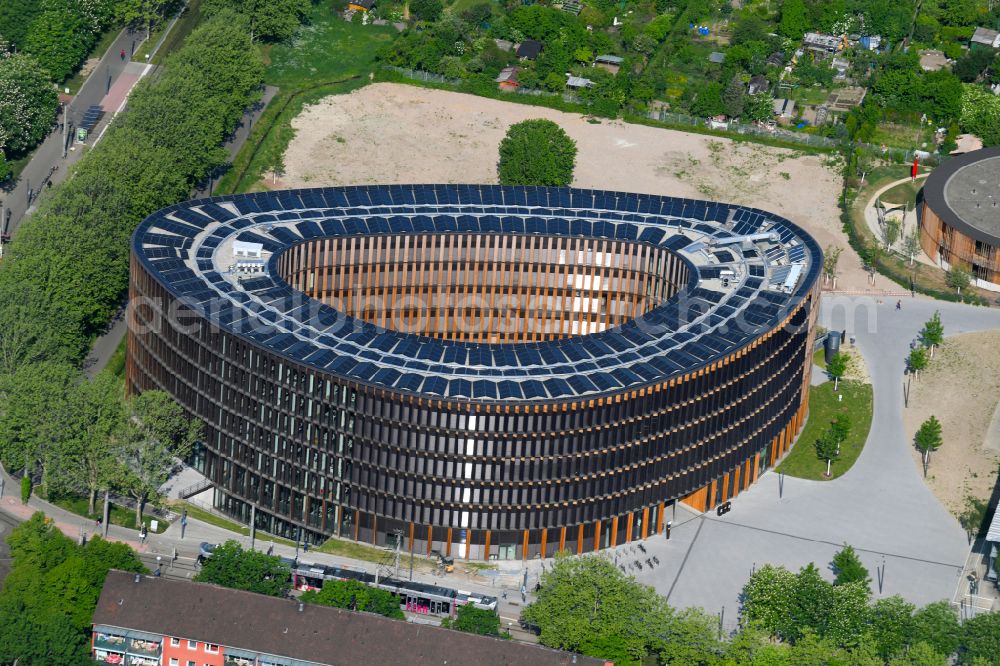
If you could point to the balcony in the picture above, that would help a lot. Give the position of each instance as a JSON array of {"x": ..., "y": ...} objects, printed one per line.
[
  {"x": 110, "y": 642},
  {"x": 144, "y": 648}
]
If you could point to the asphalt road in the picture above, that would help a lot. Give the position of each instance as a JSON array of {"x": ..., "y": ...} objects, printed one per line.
[
  {"x": 49, "y": 154},
  {"x": 7, "y": 523}
]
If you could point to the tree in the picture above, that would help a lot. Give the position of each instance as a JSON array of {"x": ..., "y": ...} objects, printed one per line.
[
  {"x": 60, "y": 40},
  {"x": 587, "y": 605},
  {"x": 732, "y": 97},
  {"x": 250, "y": 570},
  {"x": 937, "y": 624},
  {"x": 355, "y": 595},
  {"x": 426, "y": 10},
  {"x": 890, "y": 233},
  {"x": 827, "y": 449},
  {"x": 758, "y": 107},
  {"x": 932, "y": 334},
  {"x": 958, "y": 278},
  {"x": 474, "y": 620},
  {"x": 794, "y": 19},
  {"x": 919, "y": 654},
  {"x": 15, "y": 18},
  {"x": 267, "y": 20},
  {"x": 840, "y": 428},
  {"x": 973, "y": 64},
  {"x": 836, "y": 368},
  {"x": 830, "y": 259},
  {"x": 142, "y": 13},
  {"x": 911, "y": 244},
  {"x": 767, "y": 597},
  {"x": 928, "y": 438},
  {"x": 864, "y": 162},
  {"x": 981, "y": 113},
  {"x": 848, "y": 568},
  {"x": 48, "y": 599},
  {"x": 155, "y": 432},
  {"x": 708, "y": 101},
  {"x": 536, "y": 152},
  {"x": 89, "y": 457},
  {"x": 891, "y": 625},
  {"x": 27, "y": 104},
  {"x": 917, "y": 361},
  {"x": 690, "y": 637},
  {"x": 981, "y": 640}
]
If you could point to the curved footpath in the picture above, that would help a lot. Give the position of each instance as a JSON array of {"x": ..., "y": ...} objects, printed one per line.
[{"x": 881, "y": 506}]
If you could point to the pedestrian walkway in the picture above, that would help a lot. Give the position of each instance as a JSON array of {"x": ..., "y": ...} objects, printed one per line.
[{"x": 183, "y": 545}]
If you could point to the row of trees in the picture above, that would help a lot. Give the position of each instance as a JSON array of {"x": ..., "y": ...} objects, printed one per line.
[
  {"x": 588, "y": 605},
  {"x": 49, "y": 596},
  {"x": 928, "y": 437},
  {"x": 61, "y": 33},
  {"x": 83, "y": 437},
  {"x": 66, "y": 273},
  {"x": 27, "y": 106}
]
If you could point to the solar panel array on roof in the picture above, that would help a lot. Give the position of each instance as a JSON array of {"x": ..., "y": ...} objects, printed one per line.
[{"x": 176, "y": 245}]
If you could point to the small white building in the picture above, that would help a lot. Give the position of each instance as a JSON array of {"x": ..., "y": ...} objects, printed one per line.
[{"x": 578, "y": 82}]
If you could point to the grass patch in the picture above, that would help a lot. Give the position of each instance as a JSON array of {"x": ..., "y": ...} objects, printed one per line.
[
  {"x": 809, "y": 95},
  {"x": 121, "y": 516},
  {"x": 823, "y": 407},
  {"x": 360, "y": 551},
  {"x": 328, "y": 56},
  {"x": 187, "y": 22},
  {"x": 904, "y": 193},
  {"x": 326, "y": 48},
  {"x": 819, "y": 358},
  {"x": 116, "y": 364},
  {"x": 899, "y": 135},
  {"x": 101, "y": 47},
  {"x": 198, "y": 513}
]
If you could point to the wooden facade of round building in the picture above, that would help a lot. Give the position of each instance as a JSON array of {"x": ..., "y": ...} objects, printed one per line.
[{"x": 492, "y": 372}]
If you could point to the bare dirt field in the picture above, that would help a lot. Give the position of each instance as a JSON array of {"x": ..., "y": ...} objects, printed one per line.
[
  {"x": 394, "y": 133},
  {"x": 960, "y": 387}
]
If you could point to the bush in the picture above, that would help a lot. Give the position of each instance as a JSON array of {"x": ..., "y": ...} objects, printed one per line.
[
  {"x": 536, "y": 152},
  {"x": 25, "y": 489}
]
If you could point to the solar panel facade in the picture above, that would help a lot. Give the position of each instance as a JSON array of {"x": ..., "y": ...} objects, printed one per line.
[{"x": 641, "y": 383}]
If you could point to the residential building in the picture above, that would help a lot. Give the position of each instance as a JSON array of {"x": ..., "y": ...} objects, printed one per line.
[
  {"x": 758, "y": 84},
  {"x": 152, "y": 621},
  {"x": 815, "y": 41},
  {"x": 578, "y": 82}
]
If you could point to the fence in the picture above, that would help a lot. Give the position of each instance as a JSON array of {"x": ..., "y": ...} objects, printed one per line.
[
  {"x": 420, "y": 75},
  {"x": 897, "y": 155}
]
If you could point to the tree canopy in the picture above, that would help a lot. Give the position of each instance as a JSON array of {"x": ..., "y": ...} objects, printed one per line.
[
  {"x": 232, "y": 566},
  {"x": 27, "y": 104},
  {"x": 536, "y": 152},
  {"x": 355, "y": 595},
  {"x": 48, "y": 599},
  {"x": 267, "y": 20},
  {"x": 849, "y": 569}
]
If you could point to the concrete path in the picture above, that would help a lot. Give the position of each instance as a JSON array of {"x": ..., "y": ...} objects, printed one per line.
[
  {"x": 881, "y": 506},
  {"x": 493, "y": 583}
]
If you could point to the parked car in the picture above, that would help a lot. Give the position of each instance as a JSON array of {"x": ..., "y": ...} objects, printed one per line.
[{"x": 205, "y": 551}]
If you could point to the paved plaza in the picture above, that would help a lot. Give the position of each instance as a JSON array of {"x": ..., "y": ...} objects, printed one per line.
[{"x": 881, "y": 506}]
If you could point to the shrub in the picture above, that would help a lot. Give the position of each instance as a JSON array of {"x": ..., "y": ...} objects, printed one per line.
[{"x": 25, "y": 488}]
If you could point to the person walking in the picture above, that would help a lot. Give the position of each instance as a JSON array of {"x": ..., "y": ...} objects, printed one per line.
[
  {"x": 899, "y": 305},
  {"x": 123, "y": 55}
]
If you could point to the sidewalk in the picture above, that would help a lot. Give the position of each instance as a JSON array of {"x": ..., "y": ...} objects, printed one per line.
[{"x": 187, "y": 549}]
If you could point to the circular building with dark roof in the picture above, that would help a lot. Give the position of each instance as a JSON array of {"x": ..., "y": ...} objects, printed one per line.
[
  {"x": 491, "y": 372},
  {"x": 960, "y": 221}
]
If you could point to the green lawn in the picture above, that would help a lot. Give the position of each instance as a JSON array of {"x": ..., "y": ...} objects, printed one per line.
[
  {"x": 900, "y": 135},
  {"x": 819, "y": 358},
  {"x": 204, "y": 516},
  {"x": 119, "y": 515},
  {"x": 116, "y": 364},
  {"x": 903, "y": 193},
  {"x": 328, "y": 56},
  {"x": 823, "y": 407},
  {"x": 809, "y": 95},
  {"x": 327, "y": 48}
]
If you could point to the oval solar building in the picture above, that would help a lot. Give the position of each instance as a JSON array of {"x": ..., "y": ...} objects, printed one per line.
[
  {"x": 491, "y": 372},
  {"x": 960, "y": 220}
]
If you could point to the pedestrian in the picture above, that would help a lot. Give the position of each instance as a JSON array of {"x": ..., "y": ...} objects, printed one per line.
[
  {"x": 123, "y": 54},
  {"x": 899, "y": 305},
  {"x": 270, "y": 549},
  {"x": 157, "y": 572}
]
